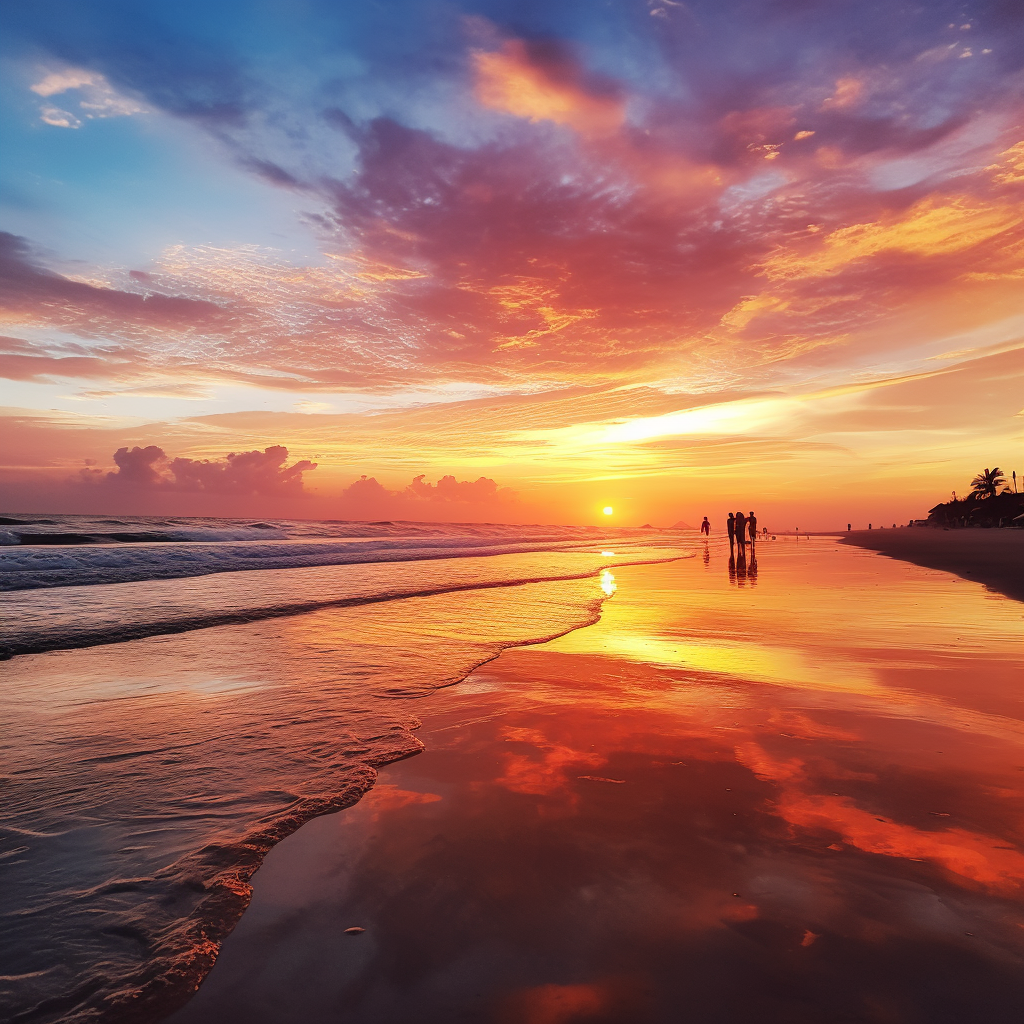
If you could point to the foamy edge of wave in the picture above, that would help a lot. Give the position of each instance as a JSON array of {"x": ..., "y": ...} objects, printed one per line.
[{"x": 79, "y": 567}]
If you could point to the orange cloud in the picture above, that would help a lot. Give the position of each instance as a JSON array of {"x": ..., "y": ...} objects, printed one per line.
[
  {"x": 1009, "y": 169},
  {"x": 540, "y": 82},
  {"x": 847, "y": 93},
  {"x": 932, "y": 227}
]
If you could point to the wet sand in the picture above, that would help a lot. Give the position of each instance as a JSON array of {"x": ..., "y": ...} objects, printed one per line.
[
  {"x": 750, "y": 792},
  {"x": 992, "y": 557}
]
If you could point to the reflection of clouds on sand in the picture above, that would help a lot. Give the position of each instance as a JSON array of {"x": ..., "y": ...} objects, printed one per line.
[
  {"x": 713, "y": 653},
  {"x": 980, "y": 858},
  {"x": 545, "y": 766},
  {"x": 618, "y": 997},
  {"x": 804, "y": 727},
  {"x": 392, "y": 798}
]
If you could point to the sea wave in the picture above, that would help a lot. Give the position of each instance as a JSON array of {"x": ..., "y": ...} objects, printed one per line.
[{"x": 74, "y": 551}]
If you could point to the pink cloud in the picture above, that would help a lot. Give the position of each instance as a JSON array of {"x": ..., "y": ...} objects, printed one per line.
[
  {"x": 239, "y": 473},
  {"x": 449, "y": 497}
]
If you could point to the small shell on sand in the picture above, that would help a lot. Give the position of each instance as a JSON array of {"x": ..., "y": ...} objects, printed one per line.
[{"x": 354, "y": 931}]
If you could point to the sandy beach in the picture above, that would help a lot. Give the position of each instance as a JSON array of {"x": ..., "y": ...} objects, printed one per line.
[
  {"x": 992, "y": 557},
  {"x": 747, "y": 793}
]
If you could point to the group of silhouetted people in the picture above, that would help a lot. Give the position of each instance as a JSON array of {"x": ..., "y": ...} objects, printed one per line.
[{"x": 740, "y": 527}]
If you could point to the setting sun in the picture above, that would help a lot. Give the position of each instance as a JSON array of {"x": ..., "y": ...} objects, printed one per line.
[{"x": 608, "y": 510}]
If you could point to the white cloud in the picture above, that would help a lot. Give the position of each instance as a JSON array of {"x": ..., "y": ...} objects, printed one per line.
[
  {"x": 59, "y": 118},
  {"x": 98, "y": 99},
  {"x": 71, "y": 78}
]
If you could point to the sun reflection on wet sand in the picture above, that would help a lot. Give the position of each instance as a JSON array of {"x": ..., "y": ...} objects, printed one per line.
[{"x": 793, "y": 803}]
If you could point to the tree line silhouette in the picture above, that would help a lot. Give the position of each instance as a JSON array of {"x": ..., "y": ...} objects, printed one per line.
[{"x": 985, "y": 506}]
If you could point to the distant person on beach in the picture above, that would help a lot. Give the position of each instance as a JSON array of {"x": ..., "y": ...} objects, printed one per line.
[
  {"x": 730, "y": 527},
  {"x": 705, "y": 527},
  {"x": 741, "y": 529},
  {"x": 752, "y": 526}
]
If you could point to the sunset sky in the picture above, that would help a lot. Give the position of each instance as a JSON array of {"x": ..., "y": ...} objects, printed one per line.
[{"x": 511, "y": 261}]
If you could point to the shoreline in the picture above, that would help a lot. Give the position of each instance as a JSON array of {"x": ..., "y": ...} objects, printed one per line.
[{"x": 994, "y": 558}]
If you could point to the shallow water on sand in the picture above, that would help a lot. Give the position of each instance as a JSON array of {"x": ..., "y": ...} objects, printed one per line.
[
  {"x": 789, "y": 798},
  {"x": 143, "y": 781}
]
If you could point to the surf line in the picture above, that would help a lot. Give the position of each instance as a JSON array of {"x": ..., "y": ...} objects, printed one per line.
[{"x": 13, "y": 646}]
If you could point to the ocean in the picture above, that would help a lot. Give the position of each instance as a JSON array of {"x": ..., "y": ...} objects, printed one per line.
[{"x": 180, "y": 694}]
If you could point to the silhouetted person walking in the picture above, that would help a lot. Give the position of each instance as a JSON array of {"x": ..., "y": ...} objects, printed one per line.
[
  {"x": 741, "y": 529},
  {"x": 730, "y": 527},
  {"x": 752, "y": 526},
  {"x": 705, "y": 527}
]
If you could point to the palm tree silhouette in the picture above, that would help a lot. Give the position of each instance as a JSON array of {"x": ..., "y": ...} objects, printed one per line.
[{"x": 986, "y": 485}]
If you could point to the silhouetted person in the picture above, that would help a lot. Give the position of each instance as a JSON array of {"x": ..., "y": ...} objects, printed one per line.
[
  {"x": 730, "y": 527},
  {"x": 849, "y": 527},
  {"x": 705, "y": 527},
  {"x": 741, "y": 529},
  {"x": 752, "y": 527}
]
